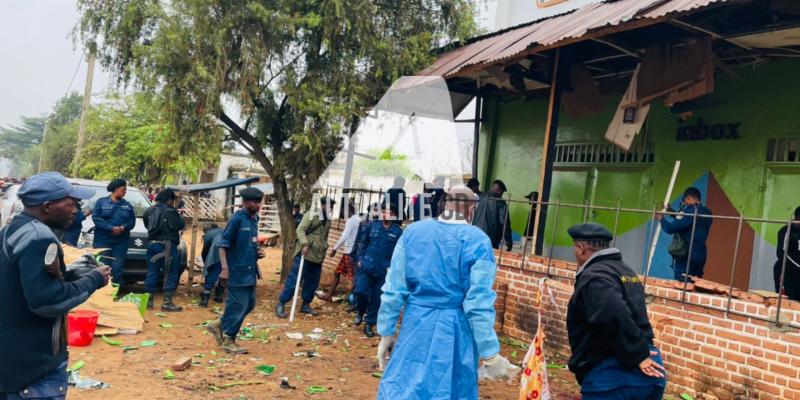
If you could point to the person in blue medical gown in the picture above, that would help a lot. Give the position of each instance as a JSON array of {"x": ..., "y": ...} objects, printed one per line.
[{"x": 441, "y": 274}]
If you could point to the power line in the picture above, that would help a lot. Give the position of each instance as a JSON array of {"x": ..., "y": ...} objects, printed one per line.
[{"x": 77, "y": 67}]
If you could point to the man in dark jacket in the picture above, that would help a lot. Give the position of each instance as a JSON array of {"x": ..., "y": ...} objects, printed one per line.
[
  {"x": 211, "y": 238},
  {"x": 491, "y": 216},
  {"x": 791, "y": 279},
  {"x": 37, "y": 290},
  {"x": 681, "y": 226},
  {"x": 164, "y": 225},
  {"x": 613, "y": 356}
]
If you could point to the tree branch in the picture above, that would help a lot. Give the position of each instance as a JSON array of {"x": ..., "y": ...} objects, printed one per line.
[{"x": 245, "y": 137}]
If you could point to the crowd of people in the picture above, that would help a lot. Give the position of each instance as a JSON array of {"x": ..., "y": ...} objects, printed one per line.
[{"x": 438, "y": 271}]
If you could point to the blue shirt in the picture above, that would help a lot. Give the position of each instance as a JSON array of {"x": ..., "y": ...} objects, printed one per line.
[
  {"x": 376, "y": 247},
  {"x": 107, "y": 215},
  {"x": 240, "y": 238},
  {"x": 73, "y": 233},
  {"x": 682, "y": 225}
]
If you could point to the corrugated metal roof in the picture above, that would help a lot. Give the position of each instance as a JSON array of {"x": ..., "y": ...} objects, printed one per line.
[{"x": 549, "y": 32}]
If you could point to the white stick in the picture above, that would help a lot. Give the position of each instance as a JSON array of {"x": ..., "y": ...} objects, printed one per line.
[
  {"x": 297, "y": 287},
  {"x": 667, "y": 199}
]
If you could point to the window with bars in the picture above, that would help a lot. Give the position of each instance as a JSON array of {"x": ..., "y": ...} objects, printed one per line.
[
  {"x": 602, "y": 153},
  {"x": 784, "y": 150}
]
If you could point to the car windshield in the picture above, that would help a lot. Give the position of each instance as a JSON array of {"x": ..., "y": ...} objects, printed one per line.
[{"x": 135, "y": 197}]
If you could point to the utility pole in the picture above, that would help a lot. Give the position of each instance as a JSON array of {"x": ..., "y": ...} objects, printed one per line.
[
  {"x": 41, "y": 145},
  {"x": 87, "y": 97}
]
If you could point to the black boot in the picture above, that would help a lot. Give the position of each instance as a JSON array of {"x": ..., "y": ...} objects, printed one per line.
[
  {"x": 169, "y": 305},
  {"x": 204, "y": 298},
  {"x": 359, "y": 318},
  {"x": 150, "y": 302},
  {"x": 368, "y": 331},
  {"x": 218, "y": 292},
  {"x": 306, "y": 309},
  {"x": 280, "y": 311}
]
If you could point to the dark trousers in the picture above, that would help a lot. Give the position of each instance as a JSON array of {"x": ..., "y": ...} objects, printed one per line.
[
  {"x": 791, "y": 282},
  {"x": 52, "y": 386},
  {"x": 368, "y": 296},
  {"x": 212, "y": 276},
  {"x": 695, "y": 269},
  {"x": 309, "y": 281},
  {"x": 628, "y": 393},
  {"x": 118, "y": 252},
  {"x": 241, "y": 300},
  {"x": 155, "y": 270}
]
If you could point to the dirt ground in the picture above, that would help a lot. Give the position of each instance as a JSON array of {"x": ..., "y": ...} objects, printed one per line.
[{"x": 345, "y": 366}]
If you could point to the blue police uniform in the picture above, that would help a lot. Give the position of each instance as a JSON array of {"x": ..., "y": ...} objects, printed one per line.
[
  {"x": 106, "y": 215},
  {"x": 375, "y": 255},
  {"x": 73, "y": 233},
  {"x": 240, "y": 238},
  {"x": 36, "y": 292}
]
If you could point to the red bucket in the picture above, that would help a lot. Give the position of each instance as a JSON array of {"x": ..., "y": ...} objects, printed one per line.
[{"x": 81, "y": 325}]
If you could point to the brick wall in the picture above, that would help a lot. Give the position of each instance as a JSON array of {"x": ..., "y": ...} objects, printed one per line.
[{"x": 709, "y": 353}]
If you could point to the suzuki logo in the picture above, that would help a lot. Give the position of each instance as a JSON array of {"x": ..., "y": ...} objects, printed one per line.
[{"x": 138, "y": 242}]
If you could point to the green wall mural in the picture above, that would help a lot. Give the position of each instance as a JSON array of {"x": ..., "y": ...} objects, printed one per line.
[{"x": 762, "y": 101}]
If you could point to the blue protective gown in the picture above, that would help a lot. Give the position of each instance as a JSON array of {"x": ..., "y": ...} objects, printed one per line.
[{"x": 442, "y": 273}]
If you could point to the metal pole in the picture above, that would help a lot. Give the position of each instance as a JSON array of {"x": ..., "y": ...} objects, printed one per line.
[
  {"x": 735, "y": 258},
  {"x": 476, "y": 135},
  {"x": 585, "y": 211},
  {"x": 193, "y": 250},
  {"x": 87, "y": 96},
  {"x": 553, "y": 238},
  {"x": 689, "y": 257},
  {"x": 616, "y": 223},
  {"x": 42, "y": 145},
  {"x": 649, "y": 236},
  {"x": 783, "y": 271}
]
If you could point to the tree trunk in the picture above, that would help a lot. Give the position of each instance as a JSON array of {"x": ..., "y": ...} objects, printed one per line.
[{"x": 288, "y": 228}]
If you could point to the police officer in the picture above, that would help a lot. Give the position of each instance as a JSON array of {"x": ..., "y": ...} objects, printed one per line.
[
  {"x": 791, "y": 279},
  {"x": 37, "y": 290},
  {"x": 211, "y": 238},
  {"x": 613, "y": 356},
  {"x": 164, "y": 225},
  {"x": 238, "y": 255},
  {"x": 73, "y": 233},
  {"x": 312, "y": 243},
  {"x": 114, "y": 217},
  {"x": 375, "y": 255}
]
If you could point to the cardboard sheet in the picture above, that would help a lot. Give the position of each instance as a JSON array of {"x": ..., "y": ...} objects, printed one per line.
[{"x": 115, "y": 317}]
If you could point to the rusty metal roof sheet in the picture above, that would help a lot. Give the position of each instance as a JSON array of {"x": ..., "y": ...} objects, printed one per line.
[{"x": 550, "y": 32}]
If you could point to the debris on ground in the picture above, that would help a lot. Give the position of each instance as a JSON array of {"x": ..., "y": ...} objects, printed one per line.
[
  {"x": 316, "y": 389},
  {"x": 77, "y": 366},
  {"x": 168, "y": 374},
  {"x": 307, "y": 353},
  {"x": 285, "y": 383},
  {"x": 76, "y": 380},
  {"x": 265, "y": 369},
  {"x": 115, "y": 317},
  {"x": 112, "y": 342},
  {"x": 182, "y": 364},
  {"x": 240, "y": 383},
  {"x": 147, "y": 343},
  {"x": 294, "y": 335},
  {"x": 378, "y": 375}
]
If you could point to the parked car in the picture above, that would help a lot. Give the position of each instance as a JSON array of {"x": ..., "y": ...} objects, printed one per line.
[{"x": 135, "y": 267}]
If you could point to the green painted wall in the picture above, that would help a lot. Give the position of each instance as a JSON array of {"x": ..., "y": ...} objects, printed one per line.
[{"x": 765, "y": 102}]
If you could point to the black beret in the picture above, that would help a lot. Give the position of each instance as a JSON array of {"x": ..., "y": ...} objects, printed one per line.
[
  {"x": 589, "y": 232},
  {"x": 251, "y": 194},
  {"x": 116, "y": 184},
  {"x": 165, "y": 195},
  {"x": 324, "y": 200}
]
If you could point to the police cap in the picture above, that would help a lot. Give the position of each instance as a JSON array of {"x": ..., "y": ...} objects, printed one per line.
[
  {"x": 50, "y": 186},
  {"x": 116, "y": 184},
  {"x": 251, "y": 194},
  {"x": 591, "y": 231}
]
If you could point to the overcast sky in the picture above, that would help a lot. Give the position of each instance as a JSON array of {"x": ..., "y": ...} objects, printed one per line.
[{"x": 38, "y": 59}]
